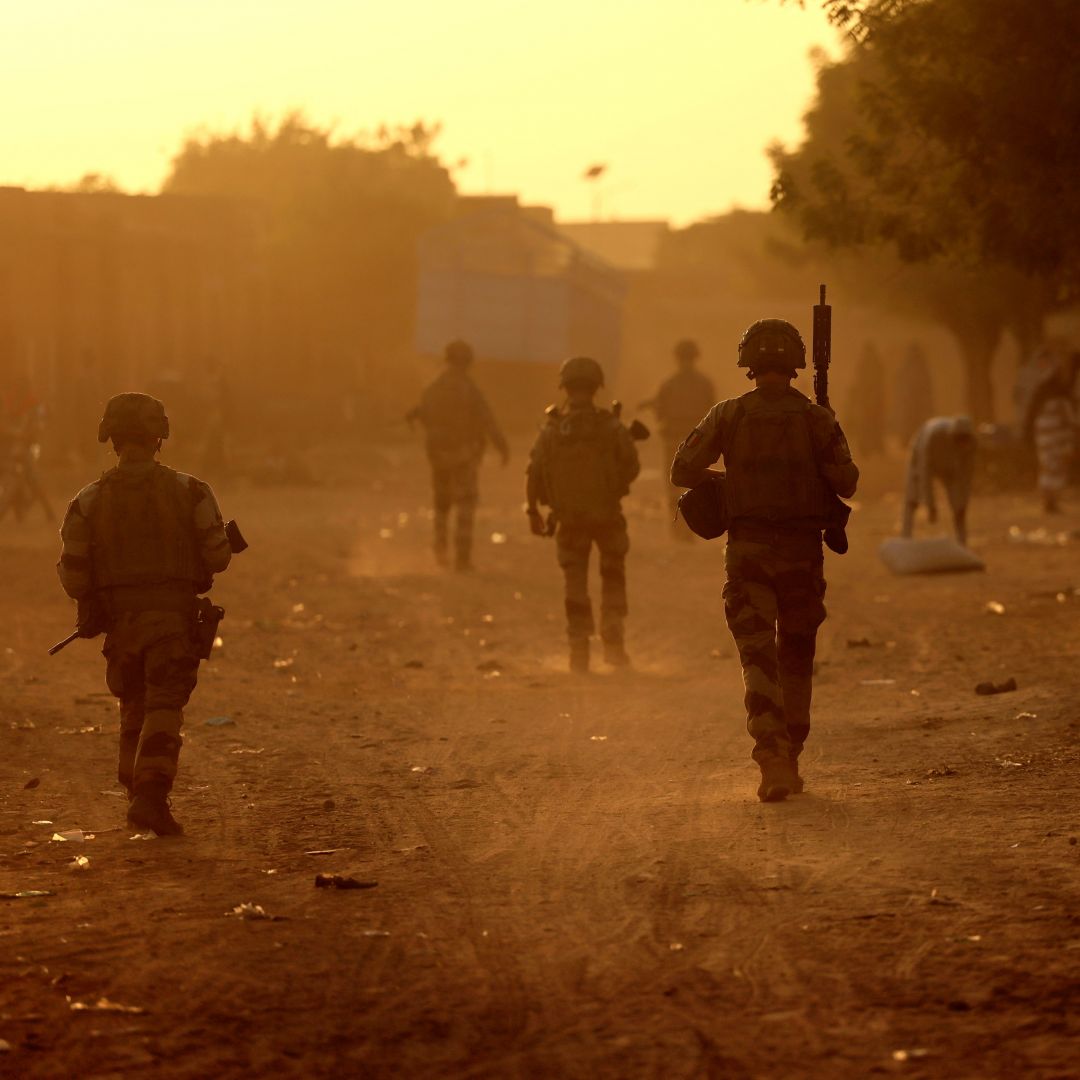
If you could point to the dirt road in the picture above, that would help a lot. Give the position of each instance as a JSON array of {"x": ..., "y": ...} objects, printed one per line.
[{"x": 574, "y": 876}]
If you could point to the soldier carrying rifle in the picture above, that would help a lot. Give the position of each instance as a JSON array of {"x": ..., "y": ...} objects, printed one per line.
[
  {"x": 139, "y": 547},
  {"x": 786, "y": 461}
]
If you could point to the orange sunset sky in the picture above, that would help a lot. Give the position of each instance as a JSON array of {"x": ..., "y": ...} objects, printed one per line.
[{"x": 680, "y": 97}]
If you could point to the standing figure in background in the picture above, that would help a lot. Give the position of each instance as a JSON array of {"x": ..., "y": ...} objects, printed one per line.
[
  {"x": 785, "y": 461},
  {"x": 458, "y": 423},
  {"x": 683, "y": 398},
  {"x": 22, "y": 420},
  {"x": 139, "y": 546},
  {"x": 582, "y": 464},
  {"x": 944, "y": 450},
  {"x": 1051, "y": 424},
  {"x": 866, "y": 404},
  {"x": 913, "y": 395}
]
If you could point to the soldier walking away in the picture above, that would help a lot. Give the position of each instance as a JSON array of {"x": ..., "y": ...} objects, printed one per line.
[
  {"x": 458, "y": 423},
  {"x": 581, "y": 466},
  {"x": 139, "y": 546},
  {"x": 785, "y": 459},
  {"x": 683, "y": 398},
  {"x": 1050, "y": 423},
  {"x": 944, "y": 450}
]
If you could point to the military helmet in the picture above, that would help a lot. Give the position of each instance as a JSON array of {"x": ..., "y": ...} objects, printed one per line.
[
  {"x": 772, "y": 345},
  {"x": 459, "y": 353},
  {"x": 581, "y": 369},
  {"x": 687, "y": 349},
  {"x": 134, "y": 414}
]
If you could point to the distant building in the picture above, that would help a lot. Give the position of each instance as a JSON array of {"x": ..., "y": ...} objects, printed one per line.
[
  {"x": 503, "y": 277},
  {"x": 105, "y": 292},
  {"x": 626, "y": 245}
]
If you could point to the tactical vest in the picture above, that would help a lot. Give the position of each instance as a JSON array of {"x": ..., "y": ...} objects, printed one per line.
[
  {"x": 580, "y": 471},
  {"x": 141, "y": 531},
  {"x": 772, "y": 470}
]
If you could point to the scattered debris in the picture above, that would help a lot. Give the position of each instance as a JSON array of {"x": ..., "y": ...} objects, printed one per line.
[
  {"x": 498, "y": 538},
  {"x": 144, "y": 836},
  {"x": 285, "y": 662},
  {"x": 878, "y": 682},
  {"x": 26, "y": 894},
  {"x": 597, "y": 738},
  {"x": 860, "y": 643},
  {"x": 43, "y": 821},
  {"x": 324, "y": 851},
  {"x": 994, "y": 607},
  {"x": 31, "y": 784},
  {"x": 943, "y": 770},
  {"x": 220, "y": 721},
  {"x": 381, "y": 933},
  {"x": 414, "y": 663},
  {"x": 80, "y": 862},
  {"x": 103, "y": 1004},
  {"x": 329, "y": 804},
  {"x": 676, "y": 946},
  {"x": 1040, "y": 537},
  {"x": 421, "y": 768},
  {"x": 337, "y": 881},
  {"x": 75, "y": 836},
  {"x": 1011, "y": 763},
  {"x": 253, "y": 913},
  {"x": 494, "y": 666},
  {"x": 1026, "y": 716},
  {"x": 988, "y": 688},
  {"x": 909, "y": 1055}
]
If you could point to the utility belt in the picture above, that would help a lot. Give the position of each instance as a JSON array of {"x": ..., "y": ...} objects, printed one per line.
[
  {"x": 122, "y": 599},
  {"x": 799, "y": 533}
]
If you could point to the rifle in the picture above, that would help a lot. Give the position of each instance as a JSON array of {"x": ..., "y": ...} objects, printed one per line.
[
  {"x": 838, "y": 512},
  {"x": 65, "y": 643},
  {"x": 822, "y": 350}
]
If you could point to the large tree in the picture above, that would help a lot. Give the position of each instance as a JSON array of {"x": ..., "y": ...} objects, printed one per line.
[
  {"x": 340, "y": 219},
  {"x": 945, "y": 134}
]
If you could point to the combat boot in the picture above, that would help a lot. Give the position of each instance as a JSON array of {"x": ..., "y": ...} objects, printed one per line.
[
  {"x": 777, "y": 778},
  {"x": 149, "y": 809},
  {"x": 579, "y": 655}
]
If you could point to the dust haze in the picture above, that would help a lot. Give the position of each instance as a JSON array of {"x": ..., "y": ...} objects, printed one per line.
[{"x": 456, "y": 795}]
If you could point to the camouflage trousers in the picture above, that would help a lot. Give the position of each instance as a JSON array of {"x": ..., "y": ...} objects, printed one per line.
[
  {"x": 455, "y": 486},
  {"x": 152, "y": 668},
  {"x": 574, "y": 543},
  {"x": 774, "y": 603}
]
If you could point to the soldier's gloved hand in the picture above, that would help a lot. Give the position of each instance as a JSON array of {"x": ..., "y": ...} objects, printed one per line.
[{"x": 536, "y": 522}]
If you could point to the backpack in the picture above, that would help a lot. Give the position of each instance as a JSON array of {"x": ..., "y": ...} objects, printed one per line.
[
  {"x": 772, "y": 473},
  {"x": 580, "y": 471},
  {"x": 141, "y": 530}
]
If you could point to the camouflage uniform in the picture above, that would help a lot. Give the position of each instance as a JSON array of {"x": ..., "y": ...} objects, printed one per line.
[
  {"x": 458, "y": 422},
  {"x": 140, "y": 544},
  {"x": 783, "y": 455},
  {"x": 581, "y": 465}
]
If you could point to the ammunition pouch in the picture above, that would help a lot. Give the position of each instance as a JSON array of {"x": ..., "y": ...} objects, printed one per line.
[
  {"x": 208, "y": 617},
  {"x": 836, "y": 518},
  {"x": 705, "y": 508}
]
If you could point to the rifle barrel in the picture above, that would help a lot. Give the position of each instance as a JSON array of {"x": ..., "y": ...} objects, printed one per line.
[{"x": 63, "y": 644}]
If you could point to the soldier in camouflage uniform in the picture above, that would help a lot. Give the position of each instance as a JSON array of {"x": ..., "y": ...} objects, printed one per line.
[
  {"x": 681, "y": 401},
  {"x": 458, "y": 423},
  {"x": 139, "y": 545},
  {"x": 785, "y": 461},
  {"x": 581, "y": 466}
]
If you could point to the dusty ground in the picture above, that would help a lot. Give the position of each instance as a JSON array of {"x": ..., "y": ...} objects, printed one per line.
[{"x": 574, "y": 876}]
